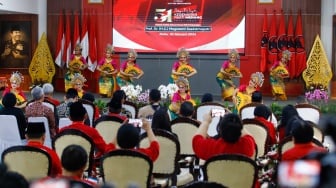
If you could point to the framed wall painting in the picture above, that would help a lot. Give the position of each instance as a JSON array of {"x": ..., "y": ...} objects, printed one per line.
[
  {"x": 17, "y": 41},
  {"x": 265, "y": 1},
  {"x": 96, "y": 1}
]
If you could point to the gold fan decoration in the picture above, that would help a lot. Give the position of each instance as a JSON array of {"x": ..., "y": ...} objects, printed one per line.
[
  {"x": 230, "y": 69},
  {"x": 280, "y": 71},
  {"x": 42, "y": 68},
  {"x": 75, "y": 65},
  {"x": 106, "y": 67},
  {"x": 132, "y": 70},
  {"x": 183, "y": 69},
  {"x": 318, "y": 72}
]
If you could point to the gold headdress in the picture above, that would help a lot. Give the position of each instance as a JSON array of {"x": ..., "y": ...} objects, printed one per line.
[
  {"x": 259, "y": 78},
  {"x": 183, "y": 81},
  {"x": 133, "y": 52},
  {"x": 234, "y": 52},
  {"x": 182, "y": 51},
  {"x": 16, "y": 77},
  {"x": 286, "y": 54},
  {"x": 109, "y": 49},
  {"x": 78, "y": 47},
  {"x": 78, "y": 76}
]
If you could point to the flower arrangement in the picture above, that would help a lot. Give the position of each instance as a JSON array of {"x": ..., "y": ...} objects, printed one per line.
[
  {"x": 317, "y": 95},
  {"x": 167, "y": 92},
  {"x": 132, "y": 92}
]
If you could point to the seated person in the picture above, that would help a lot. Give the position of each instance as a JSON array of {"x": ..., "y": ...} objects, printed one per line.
[
  {"x": 262, "y": 114},
  {"x": 187, "y": 112},
  {"x": 35, "y": 135},
  {"x": 207, "y": 97},
  {"x": 257, "y": 98},
  {"x": 232, "y": 139},
  {"x": 114, "y": 111},
  {"x": 77, "y": 116},
  {"x": 287, "y": 113},
  {"x": 90, "y": 98},
  {"x": 154, "y": 100},
  {"x": 74, "y": 158},
  {"x": 48, "y": 90},
  {"x": 37, "y": 109},
  {"x": 128, "y": 137},
  {"x": 9, "y": 108},
  {"x": 161, "y": 120},
  {"x": 10, "y": 179},
  {"x": 70, "y": 97},
  {"x": 303, "y": 134}
]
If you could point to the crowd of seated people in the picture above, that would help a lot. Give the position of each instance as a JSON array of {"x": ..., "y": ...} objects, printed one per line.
[{"x": 232, "y": 138}]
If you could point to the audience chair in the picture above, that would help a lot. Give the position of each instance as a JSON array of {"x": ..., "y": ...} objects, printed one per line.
[
  {"x": 231, "y": 170},
  {"x": 73, "y": 136},
  {"x": 90, "y": 110},
  {"x": 206, "y": 108},
  {"x": 308, "y": 112},
  {"x": 108, "y": 126},
  {"x": 166, "y": 170},
  {"x": 9, "y": 132},
  {"x": 125, "y": 167},
  {"x": 44, "y": 120},
  {"x": 318, "y": 133},
  {"x": 33, "y": 163},
  {"x": 131, "y": 107},
  {"x": 64, "y": 122},
  {"x": 185, "y": 129},
  {"x": 247, "y": 111},
  {"x": 260, "y": 134},
  {"x": 288, "y": 143}
]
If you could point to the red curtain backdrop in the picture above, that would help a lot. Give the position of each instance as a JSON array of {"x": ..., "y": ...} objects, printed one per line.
[
  {"x": 291, "y": 46},
  {"x": 299, "y": 45},
  {"x": 264, "y": 45},
  {"x": 273, "y": 41}
]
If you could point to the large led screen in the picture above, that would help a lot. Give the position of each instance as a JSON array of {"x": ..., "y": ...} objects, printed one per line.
[{"x": 163, "y": 26}]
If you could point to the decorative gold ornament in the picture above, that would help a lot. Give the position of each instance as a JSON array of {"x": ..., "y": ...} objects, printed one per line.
[
  {"x": 42, "y": 68},
  {"x": 318, "y": 72},
  {"x": 108, "y": 68}
]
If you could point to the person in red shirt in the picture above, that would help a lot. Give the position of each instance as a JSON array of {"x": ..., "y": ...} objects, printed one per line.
[
  {"x": 35, "y": 135},
  {"x": 74, "y": 158},
  {"x": 232, "y": 139},
  {"x": 128, "y": 137},
  {"x": 115, "y": 107},
  {"x": 303, "y": 134},
  {"x": 262, "y": 114},
  {"x": 77, "y": 116}
]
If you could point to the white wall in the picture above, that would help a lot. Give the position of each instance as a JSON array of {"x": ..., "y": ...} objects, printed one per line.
[
  {"x": 38, "y": 7},
  {"x": 327, "y": 12}
]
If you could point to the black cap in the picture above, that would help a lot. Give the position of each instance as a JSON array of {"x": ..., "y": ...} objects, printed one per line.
[{"x": 35, "y": 128}]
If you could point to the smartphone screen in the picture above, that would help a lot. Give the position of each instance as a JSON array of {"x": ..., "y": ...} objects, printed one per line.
[
  {"x": 217, "y": 112},
  {"x": 300, "y": 173},
  {"x": 135, "y": 122}
]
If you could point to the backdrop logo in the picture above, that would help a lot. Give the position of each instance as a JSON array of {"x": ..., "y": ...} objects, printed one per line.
[{"x": 163, "y": 15}]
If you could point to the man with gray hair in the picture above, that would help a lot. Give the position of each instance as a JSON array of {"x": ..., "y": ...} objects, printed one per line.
[
  {"x": 37, "y": 109},
  {"x": 48, "y": 90}
]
